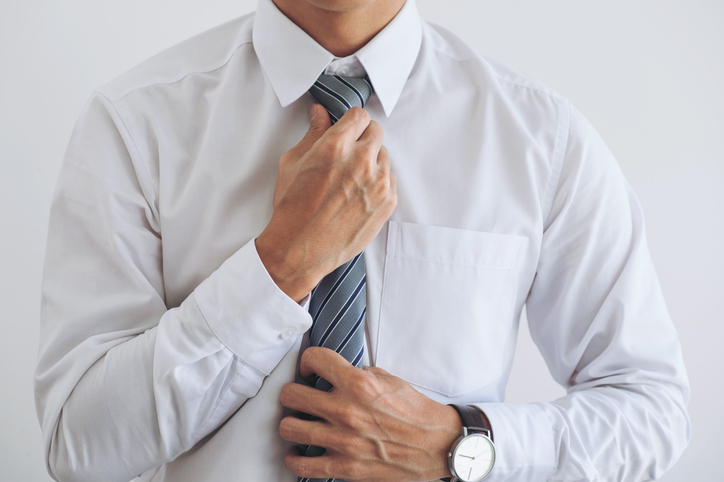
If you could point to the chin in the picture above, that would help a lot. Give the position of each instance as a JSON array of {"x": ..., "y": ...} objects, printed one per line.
[{"x": 343, "y": 5}]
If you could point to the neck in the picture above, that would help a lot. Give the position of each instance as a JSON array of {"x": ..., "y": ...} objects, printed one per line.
[{"x": 342, "y": 27}]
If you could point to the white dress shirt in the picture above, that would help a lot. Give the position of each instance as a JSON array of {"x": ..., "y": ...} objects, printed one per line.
[{"x": 165, "y": 343}]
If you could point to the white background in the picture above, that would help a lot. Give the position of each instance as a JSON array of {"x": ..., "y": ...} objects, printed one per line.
[{"x": 649, "y": 74}]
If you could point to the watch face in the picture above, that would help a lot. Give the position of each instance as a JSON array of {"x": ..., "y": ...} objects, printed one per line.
[{"x": 473, "y": 458}]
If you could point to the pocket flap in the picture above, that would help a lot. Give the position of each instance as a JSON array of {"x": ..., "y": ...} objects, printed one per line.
[{"x": 455, "y": 246}]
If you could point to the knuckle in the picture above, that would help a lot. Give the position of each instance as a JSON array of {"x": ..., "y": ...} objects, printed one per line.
[
  {"x": 370, "y": 153},
  {"x": 352, "y": 469},
  {"x": 358, "y": 423},
  {"x": 345, "y": 413},
  {"x": 364, "y": 170},
  {"x": 302, "y": 468},
  {"x": 347, "y": 445},
  {"x": 333, "y": 148},
  {"x": 376, "y": 128},
  {"x": 381, "y": 190},
  {"x": 377, "y": 371},
  {"x": 365, "y": 387},
  {"x": 359, "y": 115}
]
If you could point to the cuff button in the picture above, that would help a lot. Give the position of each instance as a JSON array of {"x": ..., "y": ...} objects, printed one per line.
[{"x": 289, "y": 334}]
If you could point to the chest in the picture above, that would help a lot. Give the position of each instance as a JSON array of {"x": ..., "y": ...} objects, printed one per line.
[{"x": 447, "y": 274}]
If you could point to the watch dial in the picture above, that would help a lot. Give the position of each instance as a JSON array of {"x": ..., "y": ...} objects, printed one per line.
[{"x": 473, "y": 458}]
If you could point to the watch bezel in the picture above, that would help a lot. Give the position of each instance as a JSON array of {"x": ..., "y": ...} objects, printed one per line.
[{"x": 453, "y": 452}]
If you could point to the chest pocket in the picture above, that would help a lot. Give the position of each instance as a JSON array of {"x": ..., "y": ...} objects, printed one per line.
[{"x": 447, "y": 305}]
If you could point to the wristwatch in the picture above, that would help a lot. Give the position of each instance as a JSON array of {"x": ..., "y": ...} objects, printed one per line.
[{"x": 472, "y": 456}]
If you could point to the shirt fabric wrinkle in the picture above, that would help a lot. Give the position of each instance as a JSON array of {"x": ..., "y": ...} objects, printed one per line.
[{"x": 487, "y": 223}]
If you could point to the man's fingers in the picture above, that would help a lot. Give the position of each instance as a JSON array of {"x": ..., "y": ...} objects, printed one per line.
[
  {"x": 306, "y": 432},
  {"x": 383, "y": 160},
  {"x": 353, "y": 123},
  {"x": 309, "y": 467},
  {"x": 323, "y": 467},
  {"x": 307, "y": 400},
  {"x": 324, "y": 362},
  {"x": 319, "y": 122},
  {"x": 374, "y": 135}
]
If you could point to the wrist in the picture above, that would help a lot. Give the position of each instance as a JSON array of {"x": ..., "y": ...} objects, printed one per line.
[
  {"x": 285, "y": 268},
  {"x": 451, "y": 431},
  {"x": 472, "y": 456}
]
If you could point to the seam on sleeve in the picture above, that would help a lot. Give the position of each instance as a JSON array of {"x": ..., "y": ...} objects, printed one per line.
[
  {"x": 153, "y": 204},
  {"x": 121, "y": 94},
  {"x": 557, "y": 157},
  {"x": 137, "y": 151}
]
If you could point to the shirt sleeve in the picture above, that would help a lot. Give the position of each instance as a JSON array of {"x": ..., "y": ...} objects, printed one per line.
[
  {"x": 597, "y": 314},
  {"x": 124, "y": 384}
]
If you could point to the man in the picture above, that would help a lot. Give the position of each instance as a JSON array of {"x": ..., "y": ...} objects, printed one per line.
[{"x": 181, "y": 257}]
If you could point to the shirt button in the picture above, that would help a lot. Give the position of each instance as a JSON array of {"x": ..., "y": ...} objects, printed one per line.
[
  {"x": 344, "y": 71},
  {"x": 289, "y": 334}
]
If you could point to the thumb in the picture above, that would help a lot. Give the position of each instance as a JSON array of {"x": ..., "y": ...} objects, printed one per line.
[{"x": 319, "y": 122}]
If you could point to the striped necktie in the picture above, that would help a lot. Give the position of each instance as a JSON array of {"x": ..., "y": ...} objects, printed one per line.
[
  {"x": 338, "y": 94},
  {"x": 339, "y": 302}
]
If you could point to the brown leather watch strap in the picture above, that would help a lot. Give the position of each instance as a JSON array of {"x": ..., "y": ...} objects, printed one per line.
[{"x": 474, "y": 419}]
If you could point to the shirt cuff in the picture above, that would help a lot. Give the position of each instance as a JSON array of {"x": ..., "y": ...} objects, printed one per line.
[
  {"x": 524, "y": 441},
  {"x": 248, "y": 312}
]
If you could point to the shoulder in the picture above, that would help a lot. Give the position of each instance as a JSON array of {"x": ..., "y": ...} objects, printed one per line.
[
  {"x": 205, "y": 52},
  {"x": 453, "y": 53}
]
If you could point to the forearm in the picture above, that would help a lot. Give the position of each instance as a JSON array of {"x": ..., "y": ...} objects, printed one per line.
[
  {"x": 136, "y": 397},
  {"x": 607, "y": 433},
  {"x": 596, "y": 312},
  {"x": 147, "y": 401}
]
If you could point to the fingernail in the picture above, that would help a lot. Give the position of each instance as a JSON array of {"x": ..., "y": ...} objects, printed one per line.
[{"x": 313, "y": 112}]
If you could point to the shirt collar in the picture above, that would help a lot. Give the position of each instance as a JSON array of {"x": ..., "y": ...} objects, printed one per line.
[{"x": 292, "y": 60}]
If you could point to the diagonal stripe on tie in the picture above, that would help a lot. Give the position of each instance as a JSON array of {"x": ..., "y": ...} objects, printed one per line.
[
  {"x": 339, "y": 303},
  {"x": 338, "y": 94},
  {"x": 317, "y": 293},
  {"x": 327, "y": 339}
]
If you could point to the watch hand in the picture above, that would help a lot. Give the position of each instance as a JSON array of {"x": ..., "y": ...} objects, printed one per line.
[
  {"x": 481, "y": 453},
  {"x": 466, "y": 456}
]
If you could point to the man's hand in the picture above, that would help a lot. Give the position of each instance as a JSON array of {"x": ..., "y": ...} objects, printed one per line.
[
  {"x": 333, "y": 193},
  {"x": 375, "y": 426}
]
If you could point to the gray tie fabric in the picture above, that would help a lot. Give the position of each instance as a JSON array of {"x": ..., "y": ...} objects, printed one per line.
[
  {"x": 338, "y": 94},
  {"x": 339, "y": 302}
]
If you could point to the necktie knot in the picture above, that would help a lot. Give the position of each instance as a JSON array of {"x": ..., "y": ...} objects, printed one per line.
[{"x": 338, "y": 94}]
